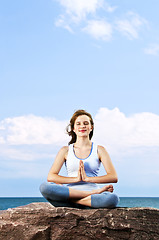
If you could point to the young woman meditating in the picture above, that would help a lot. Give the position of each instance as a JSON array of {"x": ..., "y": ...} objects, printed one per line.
[{"x": 82, "y": 159}]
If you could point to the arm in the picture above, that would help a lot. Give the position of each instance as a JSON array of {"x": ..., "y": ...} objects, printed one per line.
[
  {"x": 110, "y": 177},
  {"x": 53, "y": 175}
]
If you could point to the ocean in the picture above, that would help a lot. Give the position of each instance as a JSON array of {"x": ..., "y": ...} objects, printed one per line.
[{"x": 12, "y": 202}]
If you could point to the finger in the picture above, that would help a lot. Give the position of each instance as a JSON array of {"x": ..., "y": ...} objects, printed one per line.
[
  {"x": 110, "y": 188},
  {"x": 82, "y": 166},
  {"x": 83, "y": 172},
  {"x": 79, "y": 170},
  {"x": 82, "y": 169},
  {"x": 81, "y": 162}
]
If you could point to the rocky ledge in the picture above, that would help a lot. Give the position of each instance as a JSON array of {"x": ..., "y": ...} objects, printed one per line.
[{"x": 42, "y": 221}]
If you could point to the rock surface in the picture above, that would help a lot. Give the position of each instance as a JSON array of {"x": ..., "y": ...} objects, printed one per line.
[{"x": 42, "y": 221}]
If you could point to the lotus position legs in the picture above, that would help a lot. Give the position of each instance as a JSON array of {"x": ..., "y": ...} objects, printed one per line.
[{"x": 97, "y": 198}]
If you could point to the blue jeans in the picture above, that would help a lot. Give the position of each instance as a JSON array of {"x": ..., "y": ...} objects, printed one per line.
[{"x": 58, "y": 196}]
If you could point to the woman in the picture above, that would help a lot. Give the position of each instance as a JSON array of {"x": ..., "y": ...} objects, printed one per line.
[{"x": 82, "y": 159}]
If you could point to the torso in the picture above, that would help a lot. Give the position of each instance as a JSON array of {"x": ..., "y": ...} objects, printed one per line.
[
  {"x": 91, "y": 162},
  {"x": 81, "y": 153}
]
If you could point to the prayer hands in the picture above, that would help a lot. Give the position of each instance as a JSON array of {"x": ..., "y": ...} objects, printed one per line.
[
  {"x": 81, "y": 173},
  {"x": 83, "y": 177}
]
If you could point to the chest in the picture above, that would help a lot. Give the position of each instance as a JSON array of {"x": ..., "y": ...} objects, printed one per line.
[
  {"x": 89, "y": 158},
  {"x": 82, "y": 153}
]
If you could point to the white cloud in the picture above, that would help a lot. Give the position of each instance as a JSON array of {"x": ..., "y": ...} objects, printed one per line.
[
  {"x": 30, "y": 143},
  {"x": 112, "y": 129},
  {"x": 62, "y": 22},
  {"x": 2, "y": 141},
  {"x": 22, "y": 153},
  {"x": 109, "y": 8},
  {"x": 131, "y": 25},
  {"x": 127, "y": 134},
  {"x": 79, "y": 9},
  {"x": 82, "y": 15},
  {"x": 32, "y": 130},
  {"x": 152, "y": 50},
  {"x": 99, "y": 29}
]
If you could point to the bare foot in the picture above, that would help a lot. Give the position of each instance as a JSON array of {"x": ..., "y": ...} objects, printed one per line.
[{"x": 108, "y": 188}]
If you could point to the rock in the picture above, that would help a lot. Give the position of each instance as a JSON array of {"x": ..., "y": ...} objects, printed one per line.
[{"x": 42, "y": 221}]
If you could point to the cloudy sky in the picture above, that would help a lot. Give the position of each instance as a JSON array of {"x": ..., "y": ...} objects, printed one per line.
[{"x": 57, "y": 56}]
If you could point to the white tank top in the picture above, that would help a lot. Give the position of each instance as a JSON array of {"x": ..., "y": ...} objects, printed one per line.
[{"x": 91, "y": 166}]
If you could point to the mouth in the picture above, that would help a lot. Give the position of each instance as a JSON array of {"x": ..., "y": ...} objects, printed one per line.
[{"x": 82, "y": 131}]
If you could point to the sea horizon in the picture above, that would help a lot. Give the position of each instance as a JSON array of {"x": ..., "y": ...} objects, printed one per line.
[{"x": 12, "y": 202}]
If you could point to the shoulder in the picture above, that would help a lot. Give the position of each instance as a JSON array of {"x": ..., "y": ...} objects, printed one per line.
[
  {"x": 64, "y": 151},
  {"x": 101, "y": 150}
]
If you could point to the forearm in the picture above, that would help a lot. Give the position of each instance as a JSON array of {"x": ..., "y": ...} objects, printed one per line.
[
  {"x": 109, "y": 178},
  {"x": 61, "y": 179}
]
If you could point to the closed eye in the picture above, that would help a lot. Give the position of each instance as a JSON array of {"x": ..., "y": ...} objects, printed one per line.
[{"x": 85, "y": 123}]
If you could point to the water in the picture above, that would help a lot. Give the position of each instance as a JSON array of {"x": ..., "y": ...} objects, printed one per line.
[
  {"x": 6, "y": 203},
  {"x": 139, "y": 202}
]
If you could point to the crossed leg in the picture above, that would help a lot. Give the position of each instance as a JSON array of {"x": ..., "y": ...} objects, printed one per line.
[
  {"x": 78, "y": 194},
  {"x": 96, "y": 198}
]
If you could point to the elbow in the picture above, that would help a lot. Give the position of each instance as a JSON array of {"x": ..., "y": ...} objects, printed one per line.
[
  {"x": 50, "y": 178},
  {"x": 115, "y": 179}
]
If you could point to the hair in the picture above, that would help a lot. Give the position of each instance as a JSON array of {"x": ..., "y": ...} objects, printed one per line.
[{"x": 70, "y": 127}]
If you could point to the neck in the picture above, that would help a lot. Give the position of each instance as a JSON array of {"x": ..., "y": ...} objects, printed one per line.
[{"x": 82, "y": 141}]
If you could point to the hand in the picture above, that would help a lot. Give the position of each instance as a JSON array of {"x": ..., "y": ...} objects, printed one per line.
[
  {"x": 110, "y": 188},
  {"x": 82, "y": 171},
  {"x": 79, "y": 176}
]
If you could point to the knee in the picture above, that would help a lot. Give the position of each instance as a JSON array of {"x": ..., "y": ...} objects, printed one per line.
[
  {"x": 113, "y": 200},
  {"x": 54, "y": 191},
  {"x": 105, "y": 200},
  {"x": 44, "y": 188}
]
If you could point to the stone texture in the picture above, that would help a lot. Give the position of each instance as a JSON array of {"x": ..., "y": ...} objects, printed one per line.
[{"x": 42, "y": 221}]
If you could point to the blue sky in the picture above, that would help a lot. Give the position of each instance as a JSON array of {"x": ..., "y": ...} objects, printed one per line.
[{"x": 59, "y": 56}]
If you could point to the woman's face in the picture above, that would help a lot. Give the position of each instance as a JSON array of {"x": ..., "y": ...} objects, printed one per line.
[{"x": 82, "y": 126}]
